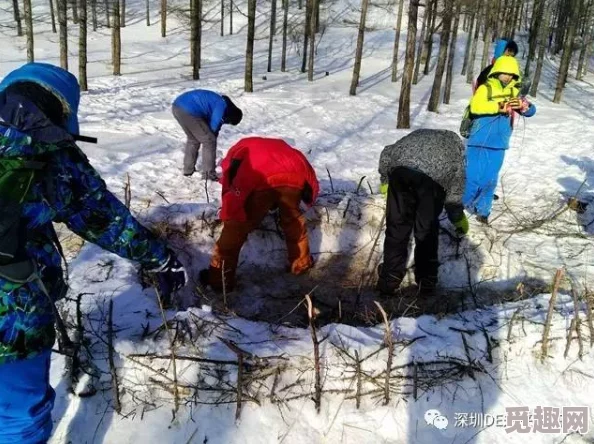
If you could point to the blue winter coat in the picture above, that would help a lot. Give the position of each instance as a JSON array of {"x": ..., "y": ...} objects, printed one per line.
[
  {"x": 499, "y": 48},
  {"x": 205, "y": 104},
  {"x": 72, "y": 192}
]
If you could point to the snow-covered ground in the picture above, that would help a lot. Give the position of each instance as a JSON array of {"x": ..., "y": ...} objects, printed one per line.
[{"x": 474, "y": 361}]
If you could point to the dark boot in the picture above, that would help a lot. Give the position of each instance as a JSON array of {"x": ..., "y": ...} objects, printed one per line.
[{"x": 483, "y": 220}]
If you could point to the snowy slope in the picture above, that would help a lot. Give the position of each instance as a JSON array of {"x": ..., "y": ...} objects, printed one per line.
[{"x": 550, "y": 159}]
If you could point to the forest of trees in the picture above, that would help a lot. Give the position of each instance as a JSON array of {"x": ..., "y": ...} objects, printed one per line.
[{"x": 561, "y": 30}]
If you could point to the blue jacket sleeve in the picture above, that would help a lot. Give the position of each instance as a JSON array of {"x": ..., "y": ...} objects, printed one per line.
[
  {"x": 216, "y": 118},
  {"x": 530, "y": 111},
  {"x": 91, "y": 211}
]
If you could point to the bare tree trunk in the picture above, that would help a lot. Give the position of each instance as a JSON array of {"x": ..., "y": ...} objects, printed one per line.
[
  {"x": 452, "y": 54},
  {"x": 306, "y": 33},
  {"x": 477, "y": 29},
  {"x": 148, "y": 13},
  {"x": 544, "y": 32},
  {"x": 116, "y": 40},
  {"x": 163, "y": 18},
  {"x": 300, "y": 5},
  {"x": 82, "y": 46},
  {"x": 194, "y": 43},
  {"x": 567, "y": 51},
  {"x": 312, "y": 41},
  {"x": 249, "y": 52},
  {"x": 107, "y": 15},
  {"x": 200, "y": 5},
  {"x": 397, "y": 41},
  {"x": 74, "y": 4},
  {"x": 421, "y": 45},
  {"x": 516, "y": 18},
  {"x": 537, "y": 12},
  {"x": 17, "y": 17},
  {"x": 63, "y": 24},
  {"x": 487, "y": 36},
  {"x": 469, "y": 42},
  {"x": 285, "y": 25},
  {"x": 359, "y": 50},
  {"x": 94, "y": 14},
  {"x": 561, "y": 27},
  {"x": 123, "y": 13},
  {"x": 317, "y": 10},
  {"x": 429, "y": 40},
  {"x": 411, "y": 37},
  {"x": 272, "y": 33},
  {"x": 222, "y": 18},
  {"x": 231, "y": 17},
  {"x": 442, "y": 56},
  {"x": 588, "y": 57},
  {"x": 586, "y": 39},
  {"x": 53, "y": 16},
  {"x": 29, "y": 27}
]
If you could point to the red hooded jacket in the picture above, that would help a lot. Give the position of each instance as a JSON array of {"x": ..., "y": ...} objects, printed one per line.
[{"x": 259, "y": 163}]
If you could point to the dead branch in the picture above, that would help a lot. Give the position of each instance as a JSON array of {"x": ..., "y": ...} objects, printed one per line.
[
  {"x": 112, "y": 367},
  {"x": 588, "y": 298},
  {"x": 390, "y": 344},
  {"x": 569, "y": 337},
  {"x": 511, "y": 323},
  {"x": 358, "y": 376},
  {"x": 316, "y": 344},
  {"x": 547, "y": 328},
  {"x": 467, "y": 351},
  {"x": 127, "y": 193},
  {"x": 330, "y": 177},
  {"x": 578, "y": 321}
]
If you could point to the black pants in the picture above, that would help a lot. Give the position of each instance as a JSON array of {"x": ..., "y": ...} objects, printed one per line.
[{"x": 415, "y": 202}]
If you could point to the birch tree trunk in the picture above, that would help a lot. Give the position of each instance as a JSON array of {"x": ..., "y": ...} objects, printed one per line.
[
  {"x": 272, "y": 33},
  {"x": 82, "y": 46},
  {"x": 249, "y": 52},
  {"x": 53, "y": 16},
  {"x": 468, "y": 43},
  {"x": 306, "y": 33},
  {"x": 397, "y": 41},
  {"x": 415, "y": 78},
  {"x": 194, "y": 43},
  {"x": 63, "y": 25},
  {"x": 452, "y": 54},
  {"x": 17, "y": 17},
  {"x": 163, "y": 18},
  {"x": 312, "y": 40},
  {"x": 567, "y": 51},
  {"x": 442, "y": 56},
  {"x": 285, "y": 25},
  {"x": 411, "y": 37},
  {"x": 29, "y": 27},
  {"x": 359, "y": 50},
  {"x": 116, "y": 40}
]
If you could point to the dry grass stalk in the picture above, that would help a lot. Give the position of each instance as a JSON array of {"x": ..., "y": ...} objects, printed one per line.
[{"x": 547, "y": 328}]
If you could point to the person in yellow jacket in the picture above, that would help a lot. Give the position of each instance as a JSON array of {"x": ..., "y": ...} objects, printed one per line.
[{"x": 492, "y": 108}]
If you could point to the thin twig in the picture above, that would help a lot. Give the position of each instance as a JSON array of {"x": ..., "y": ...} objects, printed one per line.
[
  {"x": 390, "y": 344},
  {"x": 578, "y": 321},
  {"x": 569, "y": 337},
  {"x": 547, "y": 328},
  {"x": 330, "y": 177}
]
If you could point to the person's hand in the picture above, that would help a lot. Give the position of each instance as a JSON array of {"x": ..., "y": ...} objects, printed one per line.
[
  {"x": 384, "y": 189},
  {"x": 504, "y": 107},
  {"x": 515, "y": 103},
  {"x": 525, "y": 104},
  {"x": 168, "y": 278},
  {"x": 462, "y": 225}
]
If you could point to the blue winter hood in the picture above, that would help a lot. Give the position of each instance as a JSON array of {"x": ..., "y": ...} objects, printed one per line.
[
  {"x": 499, "y": 48},
  {"x": 57, "y": 80}
]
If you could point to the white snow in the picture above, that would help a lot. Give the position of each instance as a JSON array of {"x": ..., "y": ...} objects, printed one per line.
[{"x": 550, "y": 159}]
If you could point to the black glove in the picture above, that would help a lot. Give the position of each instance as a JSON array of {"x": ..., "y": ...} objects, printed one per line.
[{"x": 169, "y": 278}]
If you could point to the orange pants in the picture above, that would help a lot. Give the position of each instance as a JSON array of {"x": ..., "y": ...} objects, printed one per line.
[{"x": 234, "y": 234}]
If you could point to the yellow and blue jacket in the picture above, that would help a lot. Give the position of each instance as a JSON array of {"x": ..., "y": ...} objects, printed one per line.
[{"x": 492, "y": 128}]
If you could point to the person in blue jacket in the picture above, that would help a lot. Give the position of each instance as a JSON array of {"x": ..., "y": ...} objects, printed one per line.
[
  {"x": 492, "y": 107},
  {"x": 38, "y": 122},
  {"x": 201, "y": 113}
]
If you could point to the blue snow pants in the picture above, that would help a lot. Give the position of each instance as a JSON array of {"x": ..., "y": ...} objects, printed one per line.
[
  {"x": 26, "y": 401},
  {"x": 482, "y": 170}
]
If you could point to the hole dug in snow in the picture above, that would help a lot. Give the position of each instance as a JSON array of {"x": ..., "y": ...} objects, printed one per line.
[{"x": 346, "y": 241}]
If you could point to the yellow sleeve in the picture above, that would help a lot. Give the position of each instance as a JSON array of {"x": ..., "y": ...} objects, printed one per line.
[{"x": 479, "y": 104}]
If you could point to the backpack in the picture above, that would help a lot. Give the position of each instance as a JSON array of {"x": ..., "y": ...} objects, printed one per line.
[
  {"x": 17, "y": 176},
  {"x": 468, "y": 117}
]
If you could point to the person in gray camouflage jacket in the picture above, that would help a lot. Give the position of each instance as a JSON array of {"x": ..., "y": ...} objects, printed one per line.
[{"x": 420, "y": 174}]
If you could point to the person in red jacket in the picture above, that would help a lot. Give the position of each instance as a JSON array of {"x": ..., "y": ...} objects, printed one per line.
[{"x": 260, "y": 174}]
